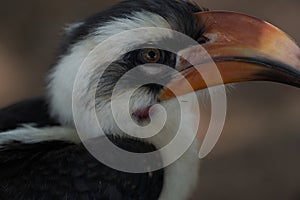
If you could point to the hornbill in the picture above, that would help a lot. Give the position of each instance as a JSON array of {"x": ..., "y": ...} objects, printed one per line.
[{"x": 41, "y": 154}]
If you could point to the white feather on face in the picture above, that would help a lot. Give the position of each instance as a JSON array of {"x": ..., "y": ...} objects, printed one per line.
[
  {"x": 64, "y": 73},
  {"x": 181, "y": 177},
  {"x": 30, "y": 135}
]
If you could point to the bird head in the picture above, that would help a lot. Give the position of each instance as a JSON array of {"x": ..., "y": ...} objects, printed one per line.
[
  {"x": 123, "y": 64},
  {"x": 105, "y": 47},
  {"x": 109, "y": 53}
]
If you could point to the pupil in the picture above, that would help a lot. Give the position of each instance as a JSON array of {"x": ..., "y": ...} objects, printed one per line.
[{"x": 151, "y": 55}]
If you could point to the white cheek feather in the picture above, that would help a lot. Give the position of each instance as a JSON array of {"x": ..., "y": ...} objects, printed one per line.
[
  {"x": 124, "y": 111},
  {"x": 64, "y": 73},
  {"x": 180, "y": 177},
  {"x": 63, "y": 77},
  {"x": 62, "y": 82}
]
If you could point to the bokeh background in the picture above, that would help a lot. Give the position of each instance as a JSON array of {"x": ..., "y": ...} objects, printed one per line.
[{"x": 258, "y": 154}]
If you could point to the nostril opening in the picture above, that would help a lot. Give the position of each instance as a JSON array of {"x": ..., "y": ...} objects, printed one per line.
[{"x": 203, "y": 40}]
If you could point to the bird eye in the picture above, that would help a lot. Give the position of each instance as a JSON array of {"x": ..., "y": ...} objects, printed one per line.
[{"x": 150, "y": 55}]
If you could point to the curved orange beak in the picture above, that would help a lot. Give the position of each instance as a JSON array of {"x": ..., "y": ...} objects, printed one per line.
[{"x": 241, "y": 48}]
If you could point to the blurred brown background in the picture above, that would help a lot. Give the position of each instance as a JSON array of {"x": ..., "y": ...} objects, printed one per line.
[{"x": 258, "y": 155}]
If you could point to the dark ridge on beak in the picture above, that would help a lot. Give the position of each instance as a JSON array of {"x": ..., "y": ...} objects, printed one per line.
[{"x": 276, "y": 71}]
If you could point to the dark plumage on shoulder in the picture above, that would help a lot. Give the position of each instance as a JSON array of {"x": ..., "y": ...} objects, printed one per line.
[
  {"x": 32, "y": 111},
  {"x": 30, "y": 171}
]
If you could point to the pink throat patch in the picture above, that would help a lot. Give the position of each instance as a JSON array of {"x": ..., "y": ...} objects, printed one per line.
[{"x": 143, "y": 113}]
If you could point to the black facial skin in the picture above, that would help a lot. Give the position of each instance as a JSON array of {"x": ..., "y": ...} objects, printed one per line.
[{"x": 130, "y": 60}]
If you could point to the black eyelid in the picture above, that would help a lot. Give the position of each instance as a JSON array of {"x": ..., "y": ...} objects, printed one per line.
[
  {"x": 202, "y": 39},
  {"x": 134, "y": 58},
  {"x": 202, "y": 27}
]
